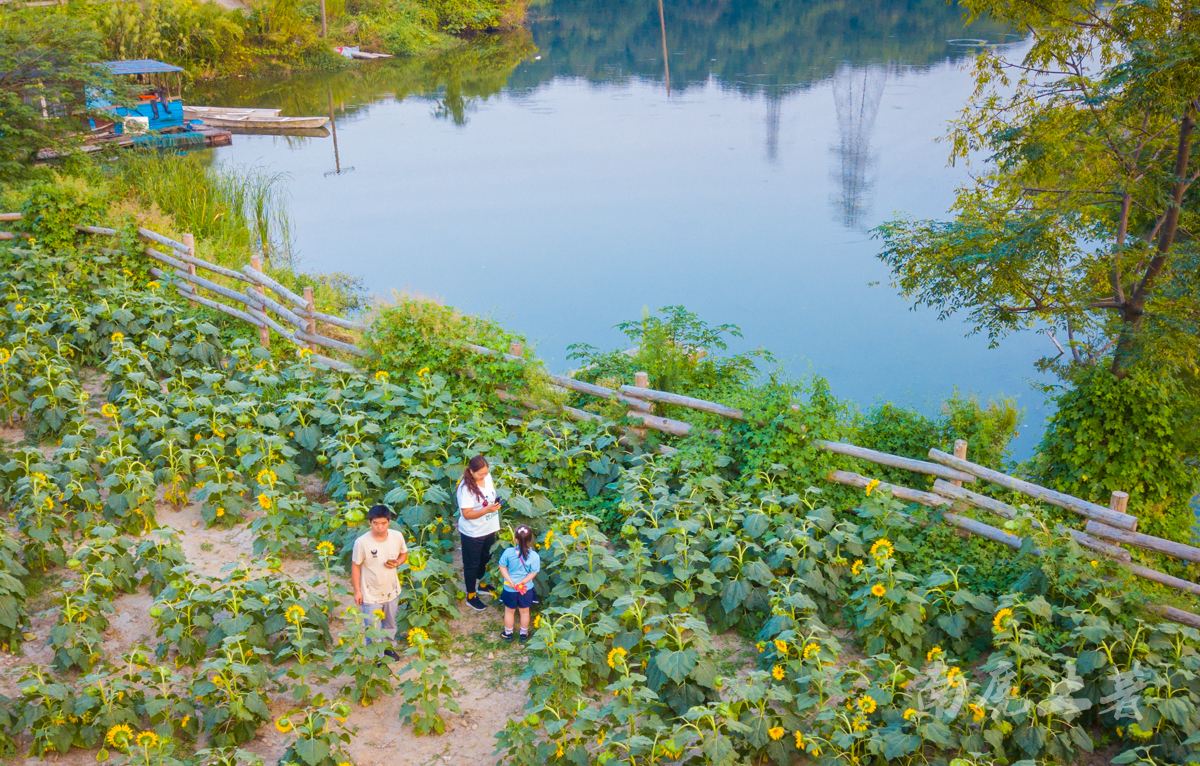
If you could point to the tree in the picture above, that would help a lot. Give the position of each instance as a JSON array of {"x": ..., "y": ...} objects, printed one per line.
[
  {"x": 1083, "y": 221},
  {"x": 46, "y": 74}
]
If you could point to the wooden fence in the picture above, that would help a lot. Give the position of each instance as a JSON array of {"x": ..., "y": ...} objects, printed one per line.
[{"x": 1105, "y": 531}]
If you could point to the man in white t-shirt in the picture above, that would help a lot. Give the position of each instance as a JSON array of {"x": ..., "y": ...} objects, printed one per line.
[
  {"x": 373, "y": 565},
  {"x": 478, "y": 524}
]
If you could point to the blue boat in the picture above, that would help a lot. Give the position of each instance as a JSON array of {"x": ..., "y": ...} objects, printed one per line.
[{"x": 159, "y": 103}]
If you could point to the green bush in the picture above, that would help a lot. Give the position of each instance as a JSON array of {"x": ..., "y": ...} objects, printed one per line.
[
  {"x": 1131, "y": 434},
  {"x": 903, "y": 431}
]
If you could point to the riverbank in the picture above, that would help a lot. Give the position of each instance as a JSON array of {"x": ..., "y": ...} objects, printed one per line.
[{"x": 213, "y": 41}]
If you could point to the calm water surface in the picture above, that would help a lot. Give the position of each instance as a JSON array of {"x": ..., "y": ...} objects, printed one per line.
[{"x": 739, "y": 177}]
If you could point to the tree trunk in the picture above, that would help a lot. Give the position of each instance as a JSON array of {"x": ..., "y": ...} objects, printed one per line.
[{"x": 1135, "y": 307}]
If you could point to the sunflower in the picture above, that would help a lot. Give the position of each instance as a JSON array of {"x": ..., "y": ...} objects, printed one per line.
[
  {"x": 882, "y": 549},
  {"x": 422, "y": 372},
  {"x": 417, "y": 636},
  {"x": 304, "y": 353},
  {"x": 877, "y": 590},
  {"x": 378, "y": 614},
  {"x": 119, "y": 735},
  {"x": 147, "y": 739},
  {"x": 559, "y": 752},
  {"x": 265, "y": 502},
  {"x": 615, "y": 656},
  {"x": 954, "y": 676},
  {"x": 866, "y": 703},
  {"x": 416, "y": 568},
  {"x": 573, "y": 531},
  {"x": 858, "y": 723},
  {"x": 5, "y": 355},
  {"x": 976, "y": 712},
  {"x": 760, "y": 646},
  {"x": 799, "y": 741},
  {"x": 910, "y": 714},
  {"x": 776, "y": 732},
  {"x": 811, "y": 650},
  {"x": 777, "y": 672},
  {"x": 549, "y": 537},
  {"x": 600, "y": 739},
  {"x": 283, "y": 724},
  {"x": 108, "y": 410},
  {"x": 294, "y": 614},
  {"x": 117, "y": 337},
  {"x": 325, "y": 548},
  {"x": 933, "y": 654},
  {"x": 266, "y": 476},
  {"x": 537, "y": 618},
  {"x": 381, "y": 377},
  {"x": 1002, "y": 620},
  {"x": 871, "y": 485},
  {"x": 856, "y": 567}
]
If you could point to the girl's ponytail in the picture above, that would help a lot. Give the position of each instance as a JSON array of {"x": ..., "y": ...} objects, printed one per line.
[{"x": 523, "y": 536}]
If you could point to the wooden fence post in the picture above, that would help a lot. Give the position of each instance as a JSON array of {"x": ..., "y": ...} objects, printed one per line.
[
  {"x": 311, "y": 305},
  {"x": 960, "y": 451},
  {"x": 642, "y": 380},
  {"x": 264, "y": 334},
  {"x": 516, "y": 349},
  {"x": 190, "y": 241},
  {"x": 1119, "y": 501}
]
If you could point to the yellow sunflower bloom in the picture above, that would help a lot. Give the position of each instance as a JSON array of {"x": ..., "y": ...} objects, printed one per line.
[
  {"x": 882, "y": 549},
  {"x": 108, "y": 410},
  {"x": 418, "y": 636},
  {"x": 117, "y": 337},
  {"x": 871, "y": 485},
  {"x": 294, "y": 614},
  {"x": 878, "y": 591},
  {"x": 5, "y": 355},
  {"x": 933, "y": 654},
  {"x": 422, "y": 372},
  {"x": 615, "y": 656},
  {"x": 976, "y": 712},
  {"x": 910, "y": 714},
  {"x": 776, "y": 732},
  {"x": 777, "y": 672},
  {"x": 325, "y": 548},
  {"x": 811, "y": 650},
  {"x": 856, "y": 567},
  {"x": 147, "y": 739},
  {"x": 781, "y": 646},
  {"x": 119, "y": 736},
  {"x": 573, "y": 531},
  {"x": 265, "y": 502},
  {"x": 1002, "y": 620},
  {"x": 867, "y": 704},
  {"x": 283, "y": 724},
  {"x": 381, "y": 377}
]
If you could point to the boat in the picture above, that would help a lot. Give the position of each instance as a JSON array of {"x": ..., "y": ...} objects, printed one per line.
[
  {"x": 302, "y": 132},
  {"x": 264, "y": 122},
  {"x": 200, "y": 112}
]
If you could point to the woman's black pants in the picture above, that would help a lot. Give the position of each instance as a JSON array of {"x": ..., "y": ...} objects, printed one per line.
[{"x": 476, "y": 553}]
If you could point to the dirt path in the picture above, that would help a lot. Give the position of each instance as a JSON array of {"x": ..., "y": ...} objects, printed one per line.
[{"x": 488, "y": 669}]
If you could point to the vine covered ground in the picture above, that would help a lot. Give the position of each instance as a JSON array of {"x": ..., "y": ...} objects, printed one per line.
[{"x": 873, "y": 636}]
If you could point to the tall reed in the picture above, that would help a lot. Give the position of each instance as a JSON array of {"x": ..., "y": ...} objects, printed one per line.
[{"x": 242, "y": 208}]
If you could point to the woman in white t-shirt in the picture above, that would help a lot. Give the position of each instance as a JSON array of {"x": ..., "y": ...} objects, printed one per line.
[{"x": 478, "y": 523}]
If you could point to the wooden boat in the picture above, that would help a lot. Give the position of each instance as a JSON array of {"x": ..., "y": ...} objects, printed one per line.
[
  {"x": 302, "y": 132},
  {"x": 264, "y": 122},
  {"x": 200, "y": 112}
]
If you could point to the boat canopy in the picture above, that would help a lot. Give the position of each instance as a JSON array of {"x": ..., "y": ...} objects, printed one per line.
[{"x": 139, "y": 66}]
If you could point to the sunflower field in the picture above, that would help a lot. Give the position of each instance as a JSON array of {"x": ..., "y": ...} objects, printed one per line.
[{"x": 874, "y": 636}]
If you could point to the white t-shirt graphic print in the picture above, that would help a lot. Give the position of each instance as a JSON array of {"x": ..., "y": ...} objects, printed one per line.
[{"x": 486, "y": 524}]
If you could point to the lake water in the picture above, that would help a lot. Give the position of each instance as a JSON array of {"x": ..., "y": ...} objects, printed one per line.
[{"x": 566, "y": 179}]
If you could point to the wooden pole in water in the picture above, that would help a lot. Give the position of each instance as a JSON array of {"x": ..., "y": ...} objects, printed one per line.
[
  {"x": 960, "y": 452},
  {"x": 190, "y": 241},
  {"x": 312, "y": 316},
  {"x": 662, "y": 22},
  {"x": 264, "y": 334},
  {"x": 324, "y": 30}
]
